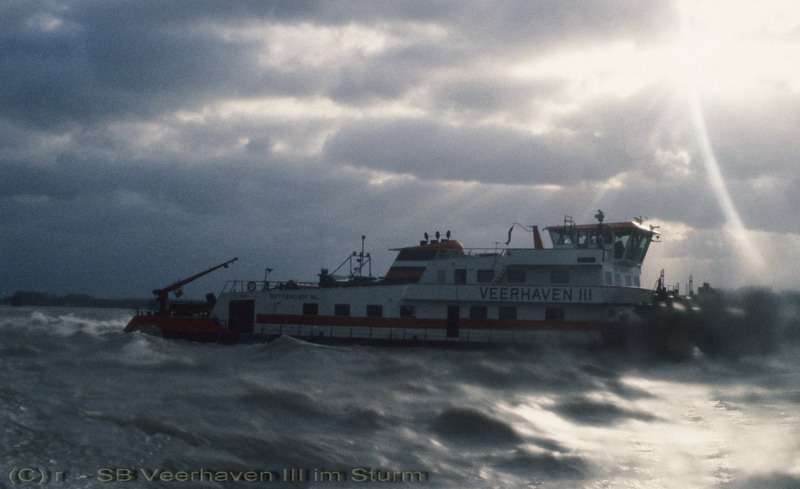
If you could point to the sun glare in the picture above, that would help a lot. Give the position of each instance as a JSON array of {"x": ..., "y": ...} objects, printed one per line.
[
  {"x": 728, "y": 53},
  {"x": 735, "y": 49}
]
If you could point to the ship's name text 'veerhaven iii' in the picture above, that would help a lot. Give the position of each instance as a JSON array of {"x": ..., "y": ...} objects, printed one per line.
[{"x": 535, "y": 294}]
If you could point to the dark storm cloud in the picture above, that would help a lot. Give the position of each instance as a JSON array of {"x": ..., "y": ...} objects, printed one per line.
[
  {"x": 197, "y": 190},
  {"x": 151, "y": 132},
  {"x": 434, "y": 151},
  {"x": 476, "y": 94},
  {"x": 516, "y": 23},
  {"x": 772, "y": 480},
  {"x": 86, "y": 223},
  {"x": 80, "y": 61},
  {"x": 476, "y": 32},
  {"x": 83, "y": 61}
]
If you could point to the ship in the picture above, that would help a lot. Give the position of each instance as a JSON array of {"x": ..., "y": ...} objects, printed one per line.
[{"x": 584, "y": 282}]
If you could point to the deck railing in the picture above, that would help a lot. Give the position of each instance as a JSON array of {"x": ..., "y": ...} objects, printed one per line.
[{"x": 262, "y": 285}]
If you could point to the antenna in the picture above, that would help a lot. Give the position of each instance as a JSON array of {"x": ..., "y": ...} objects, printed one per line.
[{"x": 357, "y": 261}]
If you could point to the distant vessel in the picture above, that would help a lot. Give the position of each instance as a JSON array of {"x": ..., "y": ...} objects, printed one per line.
[{"x": 435, "y": 292}]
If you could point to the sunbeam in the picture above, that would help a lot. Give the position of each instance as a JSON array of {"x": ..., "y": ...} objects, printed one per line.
[{"x": 750, "y": 255}]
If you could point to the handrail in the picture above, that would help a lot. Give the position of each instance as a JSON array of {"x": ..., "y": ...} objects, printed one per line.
[
  {"x": 444, "y": 254},
  {"x": 262, "y": 285}
]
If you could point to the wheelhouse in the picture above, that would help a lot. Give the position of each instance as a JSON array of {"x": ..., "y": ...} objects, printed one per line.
[{"x": 626, "y": 241}]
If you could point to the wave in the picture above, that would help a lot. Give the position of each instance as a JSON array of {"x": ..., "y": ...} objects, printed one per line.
[
  {"x": 591, "y": 412},
  {"x": 671, "y": 401},
  {"x": 720, "y": 324},
  {"x": 473, "y": 426}
]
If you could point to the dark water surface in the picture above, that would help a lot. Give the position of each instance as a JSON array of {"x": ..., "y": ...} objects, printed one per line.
[{"x": 79, "y": 399}]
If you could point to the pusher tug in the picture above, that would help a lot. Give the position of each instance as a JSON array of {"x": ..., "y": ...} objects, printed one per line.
[{"x": 434, "y": 292}]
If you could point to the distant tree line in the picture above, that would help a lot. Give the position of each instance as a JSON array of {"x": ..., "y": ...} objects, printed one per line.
[{"x": 33, "y": 298}]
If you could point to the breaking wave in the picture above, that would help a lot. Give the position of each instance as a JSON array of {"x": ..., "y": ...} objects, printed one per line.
[{"x": 726, "y": 324}]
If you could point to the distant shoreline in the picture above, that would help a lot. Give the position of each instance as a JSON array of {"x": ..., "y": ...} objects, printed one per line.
[{"x": 33, "y": 298}]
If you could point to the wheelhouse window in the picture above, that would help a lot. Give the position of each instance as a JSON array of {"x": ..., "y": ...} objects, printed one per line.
[
  {"x": 638, "y": 246},
  {"x": 563, "y": 236},
  {"x": 374, "y": 310},
  {"x": 621, "y": 238},
  {"x": 579, "y": 237},
  {"x": 341, "y": 309},
  {"x": 460, "y": 275},
  {"x": 311, "y": 309},
  {"x": 485, "y": 276}
]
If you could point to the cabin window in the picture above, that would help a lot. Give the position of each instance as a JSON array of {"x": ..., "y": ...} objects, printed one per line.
[
  {"x": 633, "y": 246},
  {"x": 620, "y": 242},
  {"x": 408, "y": 311},
  {"x": 583, "y": 238},
  {"x": 617, "y": 280},
  {"x": 641, "y": 250},
  {"x": 341, "y": 309},
  {"x": 559, "y": 276},
  {"x": 554, "y": 314},
  {"x": 485, "y": 276},
  {"x": 460, "y": 275},
  {"x": 417, "y": 254},
  {"x": 478, "y": 312},
  {"x": 515, "y": 276},
  {"x": 311, "y": 309},
  {"x": 608, "y": 278},
  {"x": 605, "y": 238},
  {"x": 562, "y": 236},
  {"x": 628, "y": 280},
  {"x": 374, "y": 310},
  {"x": 507, "y": 312},
  {"x": 636, "y": 281}
]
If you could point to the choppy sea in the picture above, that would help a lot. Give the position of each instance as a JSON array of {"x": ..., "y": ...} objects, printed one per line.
[{"x": 712, "y": 400}]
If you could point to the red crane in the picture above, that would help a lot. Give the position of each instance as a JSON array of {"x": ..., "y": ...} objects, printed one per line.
[{"x": 162, "y": 294}]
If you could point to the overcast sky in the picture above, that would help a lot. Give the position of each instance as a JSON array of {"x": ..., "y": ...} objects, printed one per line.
[{"x": 142, "y": 141}]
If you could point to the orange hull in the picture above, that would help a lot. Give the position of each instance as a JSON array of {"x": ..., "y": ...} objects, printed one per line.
[{"x": 187, "y": 328}]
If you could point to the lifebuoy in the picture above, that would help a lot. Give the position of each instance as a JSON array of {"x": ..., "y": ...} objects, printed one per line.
[{"x": 251, "y": 286}]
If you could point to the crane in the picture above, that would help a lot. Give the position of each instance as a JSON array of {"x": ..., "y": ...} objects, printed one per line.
[{"x": 162, "y": 294}]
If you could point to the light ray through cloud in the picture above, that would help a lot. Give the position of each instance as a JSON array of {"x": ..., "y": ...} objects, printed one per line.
[{"x": 740, "y": 234}]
